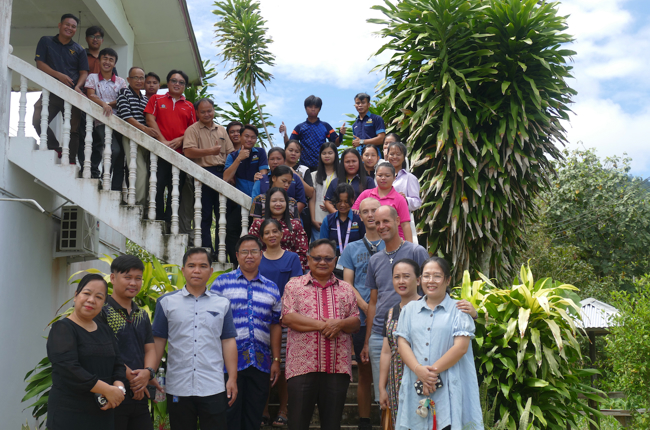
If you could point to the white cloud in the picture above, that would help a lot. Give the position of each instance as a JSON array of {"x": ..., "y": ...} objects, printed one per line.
[
  {"x": 612, "y": 107},
  {"x": 326, "y": 42}
]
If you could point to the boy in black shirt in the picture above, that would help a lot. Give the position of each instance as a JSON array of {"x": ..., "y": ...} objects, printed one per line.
[{"x": 132, "y": 327}]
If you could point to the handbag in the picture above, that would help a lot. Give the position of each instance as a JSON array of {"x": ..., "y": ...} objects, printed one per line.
[{"x": 387, "y": 419}]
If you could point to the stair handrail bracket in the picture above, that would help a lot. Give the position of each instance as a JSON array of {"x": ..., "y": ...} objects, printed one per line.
[{"x": 127, "y": 130}]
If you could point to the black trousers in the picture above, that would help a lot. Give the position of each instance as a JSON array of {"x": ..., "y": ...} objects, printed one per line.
[
  {"x": 164, "y": 175},
  {"x": 328, "y": 391},
  {"x": 233, "y": 230},
  {"x": 209, "y": 206},
  {"x": 133, "y": 415},
  {"x": 252, "y": 391},
  {"x": 117, "y": 156},
  {"x": 210, "y": 411}
]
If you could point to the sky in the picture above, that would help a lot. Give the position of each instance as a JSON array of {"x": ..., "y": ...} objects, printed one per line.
[{"x": 326, "y": 50}]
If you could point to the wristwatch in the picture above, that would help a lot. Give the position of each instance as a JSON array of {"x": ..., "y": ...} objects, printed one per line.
[
  {"x": 362, "y": 142},
  {"x": 278, "y": 359},
  {"x": 122, "y": 389},
  {"x": 152, "y": 374}
]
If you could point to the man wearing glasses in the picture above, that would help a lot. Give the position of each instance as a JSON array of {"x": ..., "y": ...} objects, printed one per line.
[
  {"x": 130, "y": 107},
  {"x": 170, "y": 115},
  {"x": 321, "y": 313},
  {"x": 255, "y": 304}
]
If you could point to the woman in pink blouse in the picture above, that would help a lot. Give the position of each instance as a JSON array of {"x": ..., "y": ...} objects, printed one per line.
[
  {"x": 387, "y": 195},
  {"x": 294, "y": 238},
  {"x": 405, "y": 183}
]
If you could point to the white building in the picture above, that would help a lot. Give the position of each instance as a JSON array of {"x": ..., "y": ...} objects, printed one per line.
[{"x": 155, "y": 35}]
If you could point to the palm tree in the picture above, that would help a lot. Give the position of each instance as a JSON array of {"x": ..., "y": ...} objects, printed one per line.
[
  {"x": 479, "y": 87},
  {"x": 241, "y": 34}
]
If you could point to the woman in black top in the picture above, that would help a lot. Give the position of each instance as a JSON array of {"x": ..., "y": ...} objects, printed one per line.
[{"x": 85, "y": 361}]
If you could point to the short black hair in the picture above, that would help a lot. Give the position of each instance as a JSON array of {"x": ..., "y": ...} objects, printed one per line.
[
  {"x": 290, "y": 141},
  {"x": 281, "y": 170},
  {"x": 375, "y": 147},
  {"x": 69, "y": 15},
  {"x": 402, "y": 148},
  {"x": 199, "y": 101},
  {"x": 393, "y": 135},
  {"x": 231, "y": 124},
  {"x": 88, "y": 278},
  {"x": 362, "y": 96},
  {"x": 132, "y": 69},
  {"x": 252, "y": 128},
  {"x": 152, "y": 75},
  {"x": 276, "y": 149},
  {"x": 124, "y": 263},
  {"x": 313, "y": 101},
  {"x": 193, "y": 251},
  {"x": 177, "y": 72},
  {"x": 412, "y": 263},
  {"x": 108, "y": 52},
  {"x": 246, "y": 238},
  {"x": 343, "y": 188},
  {"x": 444, "y": 265},
  {"x": 94, "y": 29},
  {"x": 320, "y": 242},
  {"x": 386, "y": 165},
  {"x": 268, "y": 221}
]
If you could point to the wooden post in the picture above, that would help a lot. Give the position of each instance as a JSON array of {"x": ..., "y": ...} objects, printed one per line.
[{"x": 592, "y": 357}]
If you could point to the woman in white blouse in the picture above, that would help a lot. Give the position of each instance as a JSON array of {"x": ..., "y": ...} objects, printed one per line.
[{"x": 405, "y": 183}]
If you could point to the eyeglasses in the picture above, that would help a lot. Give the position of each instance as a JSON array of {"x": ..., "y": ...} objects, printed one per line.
[
  {"x": 137, "y": 78},
  {"x": 246, "y": 252},
  {"x": 435, "y": 278},
  {"x": 328, "y": 260},
  {"x": 96, "y": 37},
  {"x": 176, "y": 82}
]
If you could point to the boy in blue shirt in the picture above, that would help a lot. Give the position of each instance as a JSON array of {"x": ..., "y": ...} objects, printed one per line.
[
  {"x": 312, "y": 133},
  {"x": 368, "y": 128}
]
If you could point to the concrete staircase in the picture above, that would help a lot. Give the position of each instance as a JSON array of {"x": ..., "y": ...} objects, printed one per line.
[{"x": 350, "y": 419}]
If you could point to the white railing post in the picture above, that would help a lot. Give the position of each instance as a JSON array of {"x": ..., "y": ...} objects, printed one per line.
[
  {"x": 108, "y": 140},
  {"x": 125, "y": 189},
  {"x": 133, "y": 149},
  {"x": 45, "y": 113},
  {"x": 153, "y": 181},
  {"x": 222, "y": 229},
  {"x": 65, "y": 145},
  {"x": 88, "y": 147},
  {"x": 22, "y": 106},
  {"x": 244, "y": 220},
  {"x": 175, "y": 198},
  {"x": 197, "y": 213}
]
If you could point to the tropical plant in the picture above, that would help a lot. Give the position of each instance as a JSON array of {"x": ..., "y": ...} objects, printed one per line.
[
  {"x": 596, "y": 206},
  {"x": 527, "y": 354},
  {"x": 246, "y": 112},
  {"x": 196, "y": 92},
  {"x": 157, "y": 279},
  {"x": 241, "y": 34},
  {"x": 479, "y": 87},
  {"x": 628, "y": 348}
]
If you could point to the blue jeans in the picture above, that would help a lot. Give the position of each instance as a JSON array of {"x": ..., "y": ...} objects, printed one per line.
[
  {"x": 315, "y": 234},
  {"x": 375, "y": 343}
]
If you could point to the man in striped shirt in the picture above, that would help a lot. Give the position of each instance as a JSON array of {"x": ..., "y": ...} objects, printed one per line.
[
  {"x": 256, "y": 306},
  {"x": 130, "y": 107}
]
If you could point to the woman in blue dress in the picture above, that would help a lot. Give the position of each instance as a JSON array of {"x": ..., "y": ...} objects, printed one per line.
[
  {"x": 434, "y": 341},
  {"x": 279, "y": 266}
]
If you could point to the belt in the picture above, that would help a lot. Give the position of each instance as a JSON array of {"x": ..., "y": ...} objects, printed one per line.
[{"x": 219, "y": 168}]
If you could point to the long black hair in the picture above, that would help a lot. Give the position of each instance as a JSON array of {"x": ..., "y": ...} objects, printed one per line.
[
  {"x": 267, "y": 207},
  {"x": 363, "y": 176},
  {"x": 321, "y": 175}
]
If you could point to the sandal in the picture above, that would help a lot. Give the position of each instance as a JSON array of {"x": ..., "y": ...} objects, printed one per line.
[
  {"x": 266, "y": 420},
  {"x": 280, "y": 421}
]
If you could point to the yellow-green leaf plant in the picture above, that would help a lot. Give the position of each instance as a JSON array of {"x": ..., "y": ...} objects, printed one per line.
[{"x": 527, "y": 354}]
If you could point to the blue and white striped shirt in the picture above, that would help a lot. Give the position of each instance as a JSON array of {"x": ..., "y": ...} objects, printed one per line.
[{"x": 255, "y": 305}]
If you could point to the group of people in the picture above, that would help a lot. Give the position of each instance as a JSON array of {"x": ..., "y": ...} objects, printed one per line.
[{"x": 330, "y": 270}]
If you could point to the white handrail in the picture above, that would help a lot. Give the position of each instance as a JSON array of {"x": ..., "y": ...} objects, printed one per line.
[{"x": 51, "y": 85}]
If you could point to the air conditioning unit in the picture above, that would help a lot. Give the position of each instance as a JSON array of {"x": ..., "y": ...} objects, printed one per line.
[{"x": 79, "y": 234}]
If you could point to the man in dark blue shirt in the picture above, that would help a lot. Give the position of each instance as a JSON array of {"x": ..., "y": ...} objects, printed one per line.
[
  {"x": 65, "y": 60},
  {"x": 312, "y": 133},
  {"x": 368, "y": 129}
]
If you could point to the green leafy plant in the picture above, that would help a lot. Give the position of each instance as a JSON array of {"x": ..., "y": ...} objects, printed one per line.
[
  {"x": 157, "y": 279},
  {"x": 246, "y": 112},
  {"x": 479, "y": 87},
  {"x": 628, "y": 348},
  {"x": 242, "y": 36},
  {"x": 527, "y": 354},
  {"x": 196, "y": 92}
]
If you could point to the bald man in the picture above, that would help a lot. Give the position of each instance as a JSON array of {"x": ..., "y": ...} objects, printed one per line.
[{"x": 379, "y": 280}]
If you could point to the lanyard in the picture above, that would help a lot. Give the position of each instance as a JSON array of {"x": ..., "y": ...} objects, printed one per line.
[
  {"x": 338, "y": 232},
  {"x": 328, "y": 181}
]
